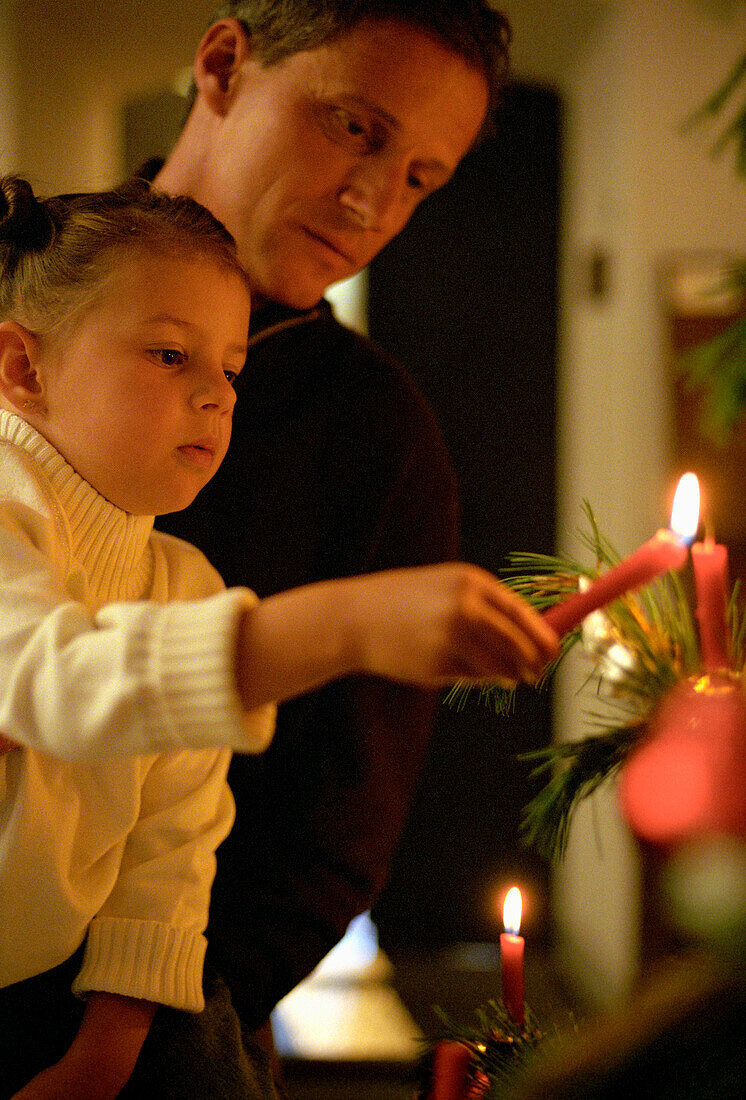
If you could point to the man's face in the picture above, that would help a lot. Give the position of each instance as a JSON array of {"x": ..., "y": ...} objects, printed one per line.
[{"x": 321, "y": 158}]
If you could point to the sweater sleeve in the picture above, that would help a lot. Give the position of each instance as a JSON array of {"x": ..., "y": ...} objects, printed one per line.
[
  {"x": 132, "y": 678},
  {"x": 147, "y": 940}
]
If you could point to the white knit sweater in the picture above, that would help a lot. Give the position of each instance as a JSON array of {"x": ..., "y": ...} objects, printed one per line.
[{"x": 111, "y": 811}]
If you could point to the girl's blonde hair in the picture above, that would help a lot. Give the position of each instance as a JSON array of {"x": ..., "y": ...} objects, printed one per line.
[{"x": 57, "y": 253}]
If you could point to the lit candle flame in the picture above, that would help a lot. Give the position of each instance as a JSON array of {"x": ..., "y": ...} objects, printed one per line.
[
  {"x": 685, "y": 511},
  {"x": 512, "y": 911}
]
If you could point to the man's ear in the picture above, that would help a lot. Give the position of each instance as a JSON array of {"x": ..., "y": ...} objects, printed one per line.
[
  {"x": 20, "y": 381},
  {"x": 220, "y": 54}
]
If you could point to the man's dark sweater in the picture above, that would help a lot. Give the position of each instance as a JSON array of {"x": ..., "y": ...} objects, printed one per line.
[{"x": 336, "y": 467}]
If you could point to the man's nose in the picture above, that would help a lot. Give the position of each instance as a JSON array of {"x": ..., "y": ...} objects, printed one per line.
[{"x": 373, "y": 195}]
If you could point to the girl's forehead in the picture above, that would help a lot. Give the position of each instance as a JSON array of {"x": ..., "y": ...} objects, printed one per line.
[
  {"x": 201, "y": 293},
  {"x": 155, "y": 272}
]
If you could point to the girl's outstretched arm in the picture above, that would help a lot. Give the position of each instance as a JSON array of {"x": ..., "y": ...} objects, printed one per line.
[{"x": 429, "y": 626}]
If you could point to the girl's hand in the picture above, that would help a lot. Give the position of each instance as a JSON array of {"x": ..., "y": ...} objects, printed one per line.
[
  {"x": 429, "y": 626},
  {"x": 69, "y": 1081},
  {"x": 102, "y": 1056},
  {"x": 437, "y": 624}
]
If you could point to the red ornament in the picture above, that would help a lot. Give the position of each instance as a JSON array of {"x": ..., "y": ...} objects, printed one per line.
[{"x": 688, "y": 778}]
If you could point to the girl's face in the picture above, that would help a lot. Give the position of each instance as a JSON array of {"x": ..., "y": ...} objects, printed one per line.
[{"x": 138, "y": 395}]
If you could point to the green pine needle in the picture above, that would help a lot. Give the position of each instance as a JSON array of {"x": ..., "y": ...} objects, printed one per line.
[
  {"x": 499, "y": 1046},
  {"x": 736, "y": 131},
  {"x": 576, "y": 770}
]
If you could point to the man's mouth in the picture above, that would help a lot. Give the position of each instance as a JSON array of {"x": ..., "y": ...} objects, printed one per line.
[{"x": 337, "y": 248}]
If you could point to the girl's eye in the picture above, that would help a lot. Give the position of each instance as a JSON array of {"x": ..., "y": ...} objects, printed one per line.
[{"x": 170, "y": 357}]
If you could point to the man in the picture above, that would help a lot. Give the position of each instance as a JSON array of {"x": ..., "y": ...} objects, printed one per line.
[{"x": 317, "y": 128}]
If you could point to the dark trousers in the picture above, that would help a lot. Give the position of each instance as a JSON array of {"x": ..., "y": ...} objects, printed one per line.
[{"x": 186, "y": 1056}]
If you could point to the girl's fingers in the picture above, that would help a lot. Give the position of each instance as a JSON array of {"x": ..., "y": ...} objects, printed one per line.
[
  {"x": 509, "y": 643},
  {"x": 529, "y": 622}
]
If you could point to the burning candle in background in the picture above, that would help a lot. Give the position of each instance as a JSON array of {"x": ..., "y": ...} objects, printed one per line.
[
  {"x": 710, "y": 564},
  {"x": 667, "y": 549},
  {"x": 511, "y": 956}
]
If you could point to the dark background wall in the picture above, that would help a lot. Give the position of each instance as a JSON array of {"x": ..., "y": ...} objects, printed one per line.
[{"x": 466, "y": 298}]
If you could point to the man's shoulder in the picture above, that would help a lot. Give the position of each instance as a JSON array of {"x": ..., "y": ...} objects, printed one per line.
[{"x": 362, "y": 376}]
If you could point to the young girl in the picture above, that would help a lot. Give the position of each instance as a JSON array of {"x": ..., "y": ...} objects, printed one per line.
[{"x": 127, "y": 672}]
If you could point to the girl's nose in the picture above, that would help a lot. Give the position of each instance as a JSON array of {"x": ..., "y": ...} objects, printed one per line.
[{"x": 216, "y": 392}]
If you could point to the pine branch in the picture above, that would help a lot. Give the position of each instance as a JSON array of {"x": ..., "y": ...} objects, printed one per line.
[
  {"x": 655, "y": 632},
  {"x": 499, "y": 699},
  {"x": 737, "y": 620},
  {"x": 499, "y": 1047},
  {"x": 576, "y": 770},
  {"x": 736, "y": 131}
]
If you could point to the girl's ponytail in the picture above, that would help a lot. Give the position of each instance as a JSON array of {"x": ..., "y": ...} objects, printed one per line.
[{"x": 25, "y": 223}]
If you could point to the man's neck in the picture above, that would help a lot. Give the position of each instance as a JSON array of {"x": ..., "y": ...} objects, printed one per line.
[{"x": 183, "y": 170}]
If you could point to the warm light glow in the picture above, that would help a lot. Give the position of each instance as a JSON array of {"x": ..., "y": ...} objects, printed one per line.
[
  {"x": 512, "y": 911},
  {"x": 685, "y": 511}
]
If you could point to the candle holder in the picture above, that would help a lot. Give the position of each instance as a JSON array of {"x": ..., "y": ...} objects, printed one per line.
[{"x": 470, "y": 1062}]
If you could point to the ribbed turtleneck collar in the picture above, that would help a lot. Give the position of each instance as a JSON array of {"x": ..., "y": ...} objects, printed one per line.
[{"x": 112, "y": 546}]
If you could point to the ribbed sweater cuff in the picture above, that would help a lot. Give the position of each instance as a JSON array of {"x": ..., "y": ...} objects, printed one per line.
[
  {"x": 144, "y": 959},
  {"x": 196, "y": 653}
]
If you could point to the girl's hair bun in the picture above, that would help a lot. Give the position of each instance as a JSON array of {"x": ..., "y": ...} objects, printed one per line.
[{"x": 24, "y": 221}]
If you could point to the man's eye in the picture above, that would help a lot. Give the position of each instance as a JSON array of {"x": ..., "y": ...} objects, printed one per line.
[
  {"x": 170, "y": 357},
  {"x": 349, "y": 124},
  {"x": 231, "y": 375}
]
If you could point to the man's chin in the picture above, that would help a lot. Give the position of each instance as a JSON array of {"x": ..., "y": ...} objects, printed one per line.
[
  {"x": 290, "y": 301},
  {"x": 295, "y": 292}
]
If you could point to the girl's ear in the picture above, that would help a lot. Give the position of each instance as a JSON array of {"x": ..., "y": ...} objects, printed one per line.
[
  {"x": 220, "y": 55},
  {"x": 20, "y": 382}
]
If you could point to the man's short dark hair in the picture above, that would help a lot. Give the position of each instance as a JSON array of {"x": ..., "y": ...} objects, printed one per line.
[{"x": 472, "y": 28}]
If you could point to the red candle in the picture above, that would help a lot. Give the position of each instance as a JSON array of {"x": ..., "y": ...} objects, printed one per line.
[
  {"x": 667, "y": 549},
  {"x": 450, "y": 1070},
  {"x": 710, "y": 564},
  {"x": 511, "y": 956}
]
